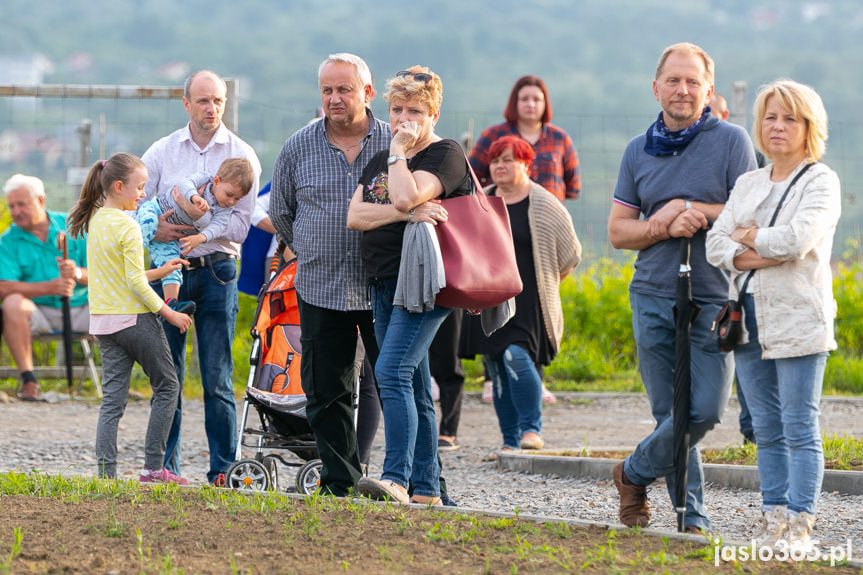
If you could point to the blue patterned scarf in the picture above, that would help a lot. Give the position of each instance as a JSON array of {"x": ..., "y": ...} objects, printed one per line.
[{"x": 663, "y": 142}]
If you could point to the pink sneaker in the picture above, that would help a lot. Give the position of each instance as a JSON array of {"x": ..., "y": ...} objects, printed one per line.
[{"x": 161, "y": 476}]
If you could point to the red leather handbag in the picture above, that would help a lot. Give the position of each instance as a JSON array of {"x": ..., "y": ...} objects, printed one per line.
[{"x": 478, "y": 253}]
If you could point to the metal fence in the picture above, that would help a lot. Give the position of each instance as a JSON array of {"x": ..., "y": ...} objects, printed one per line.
[{"x": 51, "y": 132}]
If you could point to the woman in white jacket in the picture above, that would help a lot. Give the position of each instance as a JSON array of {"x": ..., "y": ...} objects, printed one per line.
[{"x": 788, "y": 305}]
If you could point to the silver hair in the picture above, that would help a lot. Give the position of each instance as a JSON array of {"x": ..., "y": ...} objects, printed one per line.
[
  {"x": 363, "y": 72},
  {"x": 188, "y": 83},
  {"x": 32, "y": 184}
]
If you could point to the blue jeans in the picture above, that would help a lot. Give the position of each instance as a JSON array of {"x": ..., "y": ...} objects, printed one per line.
[
  {"x": 784, "y": 397},
  {"x": 745, "y": 418},
  {"x": 213, "y": 288},
  {"x": 517, "y": 394},
  {"x": 712, "y": 374},
  {"x": 404, "y": 383}
]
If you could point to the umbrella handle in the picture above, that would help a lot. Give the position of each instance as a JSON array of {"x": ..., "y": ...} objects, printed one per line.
[
  {"x": 63, "y": 245},
  {"x": 684, "y": 255}
]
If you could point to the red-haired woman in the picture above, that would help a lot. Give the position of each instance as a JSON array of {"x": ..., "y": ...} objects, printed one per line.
[
  {"x": 555, "y": 165},
  {"x": 546, "y": 250},
  {"x": 528, "y": 116}
]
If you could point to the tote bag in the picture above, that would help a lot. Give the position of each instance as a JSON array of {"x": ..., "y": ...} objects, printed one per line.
[{"x": 478, "y": 252}]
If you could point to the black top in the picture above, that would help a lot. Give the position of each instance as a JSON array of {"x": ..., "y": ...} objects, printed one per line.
[
  {"x": 382, "y": 247},
  {"x": 526, "y": 329}
]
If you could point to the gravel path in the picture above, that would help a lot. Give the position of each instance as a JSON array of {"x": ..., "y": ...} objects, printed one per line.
[{"x": 58, "y": 438}]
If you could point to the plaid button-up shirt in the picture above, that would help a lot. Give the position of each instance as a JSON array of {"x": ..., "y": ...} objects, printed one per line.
[
  {"x": 555, "y": 166},
  {"x": 311, "y": 189}
]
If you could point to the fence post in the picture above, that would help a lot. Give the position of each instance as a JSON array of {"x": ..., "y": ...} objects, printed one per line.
[
  {"x": 737, "y": 104},
  {"x": 85, "y": 132},
  {"x": 231, "y": 117}
]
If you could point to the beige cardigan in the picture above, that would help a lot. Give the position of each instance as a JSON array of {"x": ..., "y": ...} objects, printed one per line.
[
  {"x": 556, "y": 251},
  {"x": 794, "y": 301}
]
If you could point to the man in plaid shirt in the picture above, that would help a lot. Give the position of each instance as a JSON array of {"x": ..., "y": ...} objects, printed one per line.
[{"x": 314, "y": 178}]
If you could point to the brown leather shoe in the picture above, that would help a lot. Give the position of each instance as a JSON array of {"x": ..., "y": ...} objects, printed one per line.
[
  {"x": 633, "y": 500},
  {"x": 29, "y": 391}
]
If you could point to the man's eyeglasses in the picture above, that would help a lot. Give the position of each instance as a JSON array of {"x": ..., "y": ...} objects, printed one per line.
[{"x": 420, "y": 76}]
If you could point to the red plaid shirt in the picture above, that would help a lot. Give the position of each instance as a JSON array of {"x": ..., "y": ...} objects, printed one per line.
[{"x": 555, "y": 167}]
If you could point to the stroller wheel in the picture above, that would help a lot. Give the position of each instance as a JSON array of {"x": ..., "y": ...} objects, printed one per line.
[
  {"x": 248, "y": 474},
  {"x": 273, "y": 471},
  {"x": 309, "y": 476}
]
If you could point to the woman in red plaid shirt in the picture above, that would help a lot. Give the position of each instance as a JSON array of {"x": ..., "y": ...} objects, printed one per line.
[
  {"x": 555, "y": 167},
  {"x": 528, "y": 115}
]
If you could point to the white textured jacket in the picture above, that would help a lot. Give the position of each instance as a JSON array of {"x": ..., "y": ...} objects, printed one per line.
[{"x": 794, "y": 303}]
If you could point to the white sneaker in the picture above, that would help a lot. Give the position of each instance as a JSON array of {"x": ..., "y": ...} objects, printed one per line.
[
  {"x": 773, "y": 527},
  {"x": 383, "y": 490},
  {"x": 547, "y": 396},
  {"x": 435, "y": 390},
  {"x": 799, "y": 533},
  {"x": 487, "y": 391}
]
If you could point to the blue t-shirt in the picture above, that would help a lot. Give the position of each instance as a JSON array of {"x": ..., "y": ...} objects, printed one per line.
[{"x": 704, "y": 171}]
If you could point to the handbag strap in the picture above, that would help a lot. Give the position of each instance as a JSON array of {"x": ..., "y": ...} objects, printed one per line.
[
  {"x": 477, "y": 187},
  {"x": 773, "y": 221}
]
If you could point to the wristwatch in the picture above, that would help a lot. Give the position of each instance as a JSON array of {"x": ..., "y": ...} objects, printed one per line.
[
  {"x": 395, "y": 158},
  {"x": 78, "y": 274}
]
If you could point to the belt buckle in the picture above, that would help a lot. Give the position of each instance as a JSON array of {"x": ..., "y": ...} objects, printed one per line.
[{"x": 196, "y": 262}]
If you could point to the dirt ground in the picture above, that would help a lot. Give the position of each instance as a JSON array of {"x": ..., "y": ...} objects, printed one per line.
[
  {"x": 188, "y": 533},
  {"x": 204, "y": 532}
]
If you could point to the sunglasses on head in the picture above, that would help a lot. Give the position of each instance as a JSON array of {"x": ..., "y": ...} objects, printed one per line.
[{"x": 420, "y": 76}]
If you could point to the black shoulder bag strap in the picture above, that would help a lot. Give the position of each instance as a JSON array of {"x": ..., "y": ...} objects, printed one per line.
[{"x": 772, "y": 221}]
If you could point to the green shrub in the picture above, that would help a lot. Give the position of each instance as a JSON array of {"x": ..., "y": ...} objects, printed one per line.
[
  {"x": 597, "y": 340},
  {"x": 848, "y": 291},
  {"x": 598, "y": 348},
  {"x": 242, "y": 345}
]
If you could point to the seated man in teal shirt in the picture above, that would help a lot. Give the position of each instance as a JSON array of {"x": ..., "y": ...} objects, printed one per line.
[{"x": 33, "y": 275}]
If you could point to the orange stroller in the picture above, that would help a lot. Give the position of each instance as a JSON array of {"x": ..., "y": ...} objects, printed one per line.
[{"x": 275, "y": 392}]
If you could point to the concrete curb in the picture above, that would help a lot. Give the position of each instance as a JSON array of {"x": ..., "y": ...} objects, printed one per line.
[
  {"x": 734, "y": 476},
  {"x": 577, "y": 395}
]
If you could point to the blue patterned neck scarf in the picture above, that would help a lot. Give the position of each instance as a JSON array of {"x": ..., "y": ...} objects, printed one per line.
[{"x": 663, "y": 142}]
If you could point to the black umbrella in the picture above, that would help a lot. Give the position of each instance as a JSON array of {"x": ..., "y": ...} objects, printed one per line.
[
  {"x": 63, "y": 246},
  {"x": 685, "y": 312}
]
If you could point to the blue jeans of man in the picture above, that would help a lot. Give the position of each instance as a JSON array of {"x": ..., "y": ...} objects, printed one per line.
[
  {"x": 784, "y": 397},
  {"x": 213, "y": 288},
  {"x": 517, "y": 394},
  {"x": 404, "y": 383},
  {"x": 712, "y": 374}
]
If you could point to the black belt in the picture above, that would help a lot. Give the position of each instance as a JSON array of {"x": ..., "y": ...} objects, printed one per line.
[{"x": 208, "y": 260}]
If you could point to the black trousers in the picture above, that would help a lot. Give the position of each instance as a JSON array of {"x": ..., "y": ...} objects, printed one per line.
[
  {"x": 446, "y": 368},
  {"x": 369, "y": 412},
  {"x": 329, "y": 340}
]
